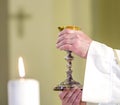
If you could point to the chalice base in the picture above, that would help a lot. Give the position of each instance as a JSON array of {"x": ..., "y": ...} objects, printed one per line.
[{"x": 67, "y": 85}]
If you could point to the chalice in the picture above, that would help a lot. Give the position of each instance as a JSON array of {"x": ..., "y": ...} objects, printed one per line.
[{"x": 69, "y": 82}]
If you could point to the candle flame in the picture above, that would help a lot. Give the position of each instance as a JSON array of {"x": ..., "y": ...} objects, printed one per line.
[{"x": 21, "y": 67}]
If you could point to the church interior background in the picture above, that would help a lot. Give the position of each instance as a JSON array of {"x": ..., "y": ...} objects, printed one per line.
[{"x": 33, "y": 35}]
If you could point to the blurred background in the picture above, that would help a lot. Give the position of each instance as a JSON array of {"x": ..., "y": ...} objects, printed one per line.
[{"x": 33, "y": 36}]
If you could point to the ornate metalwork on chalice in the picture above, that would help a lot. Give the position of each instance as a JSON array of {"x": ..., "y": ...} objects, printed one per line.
[{"x": 69, "y": 82}]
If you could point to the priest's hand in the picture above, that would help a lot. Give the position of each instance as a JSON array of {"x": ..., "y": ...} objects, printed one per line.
[
  {"x": 73, "y": 40},
  {"x": 71, "y": 97}
]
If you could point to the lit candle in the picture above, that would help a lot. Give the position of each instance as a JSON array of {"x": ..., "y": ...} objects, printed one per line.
[{"x": 23, "y": 91}]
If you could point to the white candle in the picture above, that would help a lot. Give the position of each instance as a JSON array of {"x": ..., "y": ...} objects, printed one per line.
[{"x": 23, "y": 91}]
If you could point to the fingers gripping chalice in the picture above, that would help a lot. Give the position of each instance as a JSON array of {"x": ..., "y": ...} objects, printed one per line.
[{"x": 69, "y": 82}]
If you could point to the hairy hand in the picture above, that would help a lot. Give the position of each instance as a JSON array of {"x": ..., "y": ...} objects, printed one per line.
[{"x": 76, "y": 41}]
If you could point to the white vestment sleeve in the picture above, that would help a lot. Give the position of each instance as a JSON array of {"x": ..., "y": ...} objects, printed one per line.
[{"x": 102, "y": 75}]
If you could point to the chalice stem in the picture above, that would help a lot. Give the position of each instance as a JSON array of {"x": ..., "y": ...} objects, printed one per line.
[{"x": 69, "y": 59}]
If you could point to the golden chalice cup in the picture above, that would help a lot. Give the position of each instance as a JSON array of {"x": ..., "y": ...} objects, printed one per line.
[{"x": 69, "y": 82}]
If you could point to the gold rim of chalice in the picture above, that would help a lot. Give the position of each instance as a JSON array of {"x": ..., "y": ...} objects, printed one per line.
[{"x": 68, "y": 27}]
